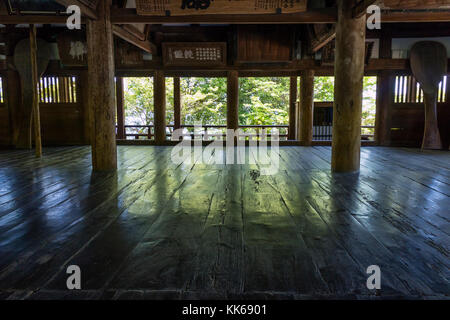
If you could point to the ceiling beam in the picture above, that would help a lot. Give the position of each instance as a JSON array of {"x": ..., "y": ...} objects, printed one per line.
[
  {"x": 85, "y": 10},
  {"x": 329, "y": 15},
  {"x": 438, "y": 15},
  {"x": 34, "y": 19},
  {"x": 128, "y": 16},
  {"x": 133, "y": 39},
  {"x": 415, "y": 4}
]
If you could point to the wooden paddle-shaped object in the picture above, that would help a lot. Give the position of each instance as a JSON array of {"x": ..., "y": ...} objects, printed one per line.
[
  {"x": 22, "y": 61},
  {"x": 429, "y": 65}
]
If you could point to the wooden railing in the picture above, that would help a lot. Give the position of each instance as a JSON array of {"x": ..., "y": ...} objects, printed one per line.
[
  {"x": 211, "y": 130},
  {"x": 367, "y": 132},
  {"x": 320, "y": 133},
  {"x": 324, "y": 133}
]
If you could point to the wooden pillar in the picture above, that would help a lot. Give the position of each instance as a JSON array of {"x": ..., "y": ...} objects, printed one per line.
[
  {"x": 385, "y": 91},
  {"x": 385, "y": 87},
  {"x": 232, "y": 100},
  {"x": 306, "y": 112},
  {"x": 34, "y": 82},
  {"x": 447, "y": 94},
  {"x": 349, "y": 73},
  {"x": 292, "y": 107},
  {"x": 101, "y": 93},
  {"x": 83, "y": 84},
  {"x": 159, "y": 96},
  {"x": 120, "y": 109},
  {"x": 176, "y": 103},
  {"x": 12, "y": 97}
]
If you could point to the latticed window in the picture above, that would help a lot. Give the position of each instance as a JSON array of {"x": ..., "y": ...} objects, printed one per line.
[
  {"x": 2, "y": 99},
  {"x": 408, "y": 90},
  {"x": 53, "y": 89}
]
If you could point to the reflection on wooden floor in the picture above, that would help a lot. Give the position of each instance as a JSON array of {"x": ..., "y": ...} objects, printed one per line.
[{"x": 158, "y": 230}]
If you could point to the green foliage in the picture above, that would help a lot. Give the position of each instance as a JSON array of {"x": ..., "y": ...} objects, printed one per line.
[
  {"x": 262, "y": 101},
  {"x": 323, "y": 89},
  {"x": 204, "y": 100},
  {"x": 369, "y": 101},
  {"x": 138, "y": 101}
]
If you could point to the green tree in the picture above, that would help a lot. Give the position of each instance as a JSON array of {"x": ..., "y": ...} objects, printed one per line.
[
  {"x": 204, "y": 100},
  {"x": 264, "y": 101}
]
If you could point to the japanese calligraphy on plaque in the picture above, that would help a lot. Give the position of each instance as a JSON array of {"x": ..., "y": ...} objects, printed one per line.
[
  {"x": 195, "y": 7},
  {"x": 194, "y": 53}
]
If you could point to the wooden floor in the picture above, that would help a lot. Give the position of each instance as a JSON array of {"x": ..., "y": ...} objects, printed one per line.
[{"x": 157, "y": 230}]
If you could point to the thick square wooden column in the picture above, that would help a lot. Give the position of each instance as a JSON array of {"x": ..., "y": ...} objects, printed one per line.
[
  {"x": 176, "y": 103},
  {"x": 349, "y": 73},
  {"x": 120, "y": 109},
  {"x": 232, "y": 100},
  {"x": 159, "y": 98},
  {"x": 292, "y": 107},
  {"x": 306, "y": 112},
  {"x": 385, "y": 97},
  {"x": 101, "y": 93},
  {"x": 34, "y": 81}
]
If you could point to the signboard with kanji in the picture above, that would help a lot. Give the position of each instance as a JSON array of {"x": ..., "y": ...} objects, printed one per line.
[
  {"x": 194, "y": 53},
  {"x": 196, "y": 7}
]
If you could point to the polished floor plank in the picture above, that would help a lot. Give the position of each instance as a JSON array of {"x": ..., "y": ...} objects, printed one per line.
[{"x": 158, "y": 229}]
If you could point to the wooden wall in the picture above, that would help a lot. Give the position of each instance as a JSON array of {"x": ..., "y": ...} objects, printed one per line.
[
  {"x": 264, "y": 43},
  {"x": 5, "y": 129},
  {"x": 407, "y": 124},
  {"x": 61, "y": 123},
  {"x": 407, "y": 115}
]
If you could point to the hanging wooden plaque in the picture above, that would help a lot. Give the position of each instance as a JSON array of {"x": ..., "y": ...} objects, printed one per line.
[
  {"x": 198, "y": 7},
  {"x": 127, "y": 54},
  {"x": 194, "y": 53},
  {"x": 72, "y": 48}
]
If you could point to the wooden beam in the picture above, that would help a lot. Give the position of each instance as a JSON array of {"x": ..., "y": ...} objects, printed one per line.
[
  {"x": 34, "y": 81},
  {"x": 388, "y": 16},
  {"x": 360, "y": 8},
  {"x": 101, "y": 89},
  {"x": 306, "y": 112},
  {"x": 34, "y": 19},
  {"x": 85, "y": 10},
  {"x": 120, "y": 108},
  {"x": 292, "y": 107},
  {"x": 232, "y": 100},
  {"x": 124, "y": 34},
  {"x": 319, "y": 45},
  {"x": 416, "y": 4},
  {"x": 176, "y": 103},
  {"x": 159, "y": 96},
  {"x": 129, "y": 16},
  {"x": 328, "y": 15},
  {"x": 349, "y": 72},
  {"x": 135, "y": 31}
]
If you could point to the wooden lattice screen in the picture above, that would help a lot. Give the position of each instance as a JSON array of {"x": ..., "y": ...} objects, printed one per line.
[
  {"x": 57, "y": 89},
  {"x": 1, "y": 91},
  {"x": 407, "y": 90}
]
